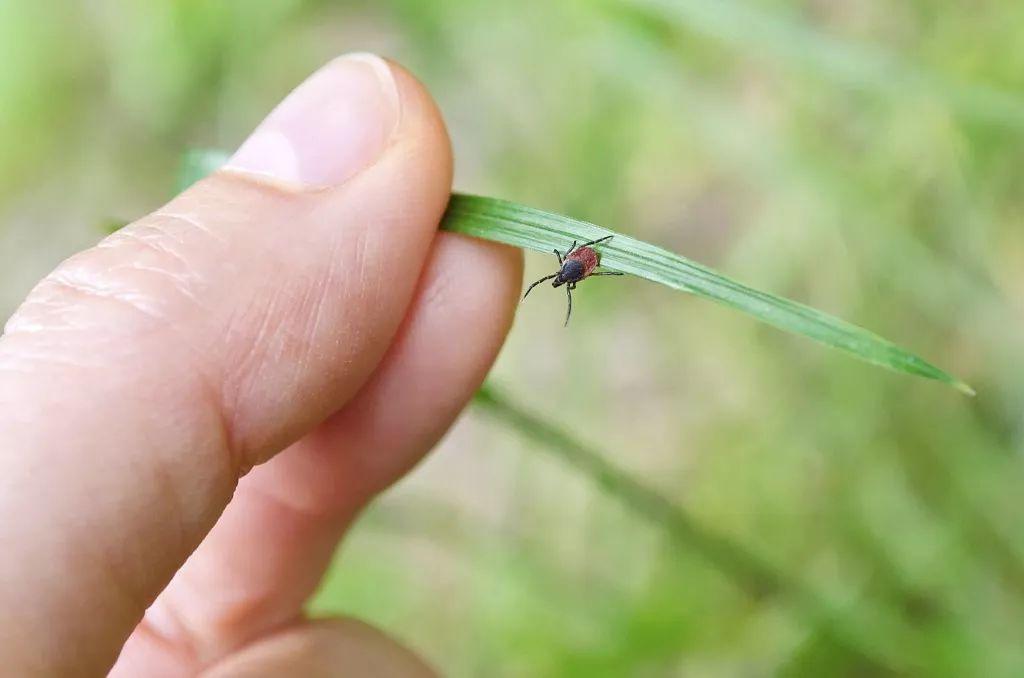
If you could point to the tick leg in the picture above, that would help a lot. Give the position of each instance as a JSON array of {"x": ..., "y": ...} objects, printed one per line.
[
  {"x": 607, "y": 273},
  {"x": 569, "y": 251},
  {"x": 594, "y": 242},
  {"x": 547, "y": 277},
  {"x": 559, "y": 255},
  {"x": 568, "y": 294}
]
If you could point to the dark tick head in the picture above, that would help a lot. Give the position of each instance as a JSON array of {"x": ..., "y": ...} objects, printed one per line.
[{"x": 572, "y": 271}]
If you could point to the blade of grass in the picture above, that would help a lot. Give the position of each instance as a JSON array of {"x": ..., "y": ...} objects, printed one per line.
[
  {"x": 514, "y": 224},
  {"x": 871, "y": 633},
  {"x": 526, "y": 227},
  {"x": 196, "y": 164}
]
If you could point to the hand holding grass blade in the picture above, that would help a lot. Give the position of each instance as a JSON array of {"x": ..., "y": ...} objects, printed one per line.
[{"x": 514, "y": 224}]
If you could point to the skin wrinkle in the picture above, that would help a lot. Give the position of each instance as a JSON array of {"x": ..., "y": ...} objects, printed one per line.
[
  {"x": 34, "y": 316},
  {"x": 279, "y": 333},
  {"x": 202, "y": 380},
  {"x": 379, "y": 273},
  {"x": 352, "y": 334},
  {"x": 438, "y": 290},
  {"x": 82, "y": 287},
  {"x": 170, "y": 622},
  {"x": 180, "y": 627},
  {"x": 292, "y": 309},
  {"x": 338, "y": 243},
  {"x": 359, "y": 265},
  {"x": 186, "y": 279},
  {"x": 190, "y": 220},
  {"x": 179, "y": 283},
  {"x": 238, "y": 374},
  {"x": 189, "y": 639},
  {"x": 321, "y": 292},
  {"x": 108, "y": 283},
  {"x": 74, "y": 278},
  {"x": 163, "y": 622},
  {"x": 212, "y": 392},
  {"x": 18, "y": 360},
  {"x": 288, "y": 503},
  {"x": 41, "y": 296},
  {"x": 196, "y": 634},
  {"x": 40, "y": 303},
  {"x": 266, "y": 346},
  {"x": 137, "y": 234}
]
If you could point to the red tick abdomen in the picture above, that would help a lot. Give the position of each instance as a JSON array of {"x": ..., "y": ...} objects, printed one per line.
[{"x": 588, "y": 257}]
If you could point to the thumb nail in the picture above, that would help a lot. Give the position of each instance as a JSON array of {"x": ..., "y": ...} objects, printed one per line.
[{"x": 329, "y": 128}]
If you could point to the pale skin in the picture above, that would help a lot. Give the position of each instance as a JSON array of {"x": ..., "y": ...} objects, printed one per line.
[{"x": 194, "y": 411}]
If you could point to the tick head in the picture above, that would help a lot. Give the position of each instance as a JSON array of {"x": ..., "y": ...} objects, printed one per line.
[{"x": 571, "y": 271}]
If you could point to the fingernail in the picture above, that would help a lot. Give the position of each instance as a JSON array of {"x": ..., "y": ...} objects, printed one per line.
[{"x": 332, "y": 126}]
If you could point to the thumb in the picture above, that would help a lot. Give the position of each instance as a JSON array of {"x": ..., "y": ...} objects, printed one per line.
[{"x": 143, "y": 376}]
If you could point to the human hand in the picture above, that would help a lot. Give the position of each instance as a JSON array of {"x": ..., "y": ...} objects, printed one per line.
[{"x": 300, "y": 299}]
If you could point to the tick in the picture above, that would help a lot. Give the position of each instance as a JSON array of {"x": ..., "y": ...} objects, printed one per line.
[{"x": 576, "y": 264}]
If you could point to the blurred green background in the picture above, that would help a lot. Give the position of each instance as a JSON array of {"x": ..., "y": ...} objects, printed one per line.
[{"x": 862, "y": 156}]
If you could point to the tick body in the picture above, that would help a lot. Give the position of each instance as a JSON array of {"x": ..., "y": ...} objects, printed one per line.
[{"x": 576, "y": 264}]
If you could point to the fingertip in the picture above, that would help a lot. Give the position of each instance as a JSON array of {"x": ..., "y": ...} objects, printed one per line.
[
  {"x": 332, "y": 647},
  {"x": 348, "y": 115},
  {"x": 481, "y": 277}
]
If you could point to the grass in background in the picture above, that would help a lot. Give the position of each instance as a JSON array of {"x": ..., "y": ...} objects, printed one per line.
[{"x": 862, "y": 156}]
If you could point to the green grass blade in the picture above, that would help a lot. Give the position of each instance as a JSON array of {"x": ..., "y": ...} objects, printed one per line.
[
  {"x": 872, "y": 633},
  {"x": 514, "y": 224}
]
